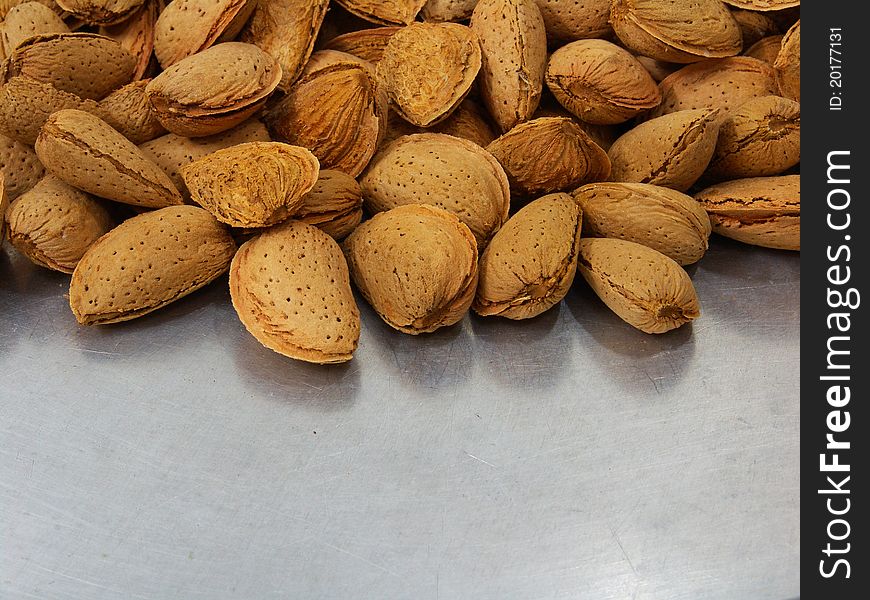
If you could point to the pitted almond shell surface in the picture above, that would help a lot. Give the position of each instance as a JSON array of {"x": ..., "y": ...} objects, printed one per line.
[
  {"x": 761, "y": 138},
  {"x": 252, "y": 185},
  {"x": 136, "y": 35},
  {"x": 336, "y": 112},
  {"x": 291, "y": 290},
  {"x": 682, "y": 31},
  {"x": 766, "y": 49},
  {"x": 672, "y": 150},
  {"x": 753, "y": 26},
  {"x": 469, "y": 121},
  {"x": 549, "y": 154},
  {"x": 333, "y": 205},
  {"x": 763, "y": 211},
  {"x": 788, "y": 64},
  {"x": 448, "y": 172},
  {"x": 172, "y": 152},
  {"x": 569, "y": 20},
  {"x": 85, "y": 152},
  {"x": 19, "y": 166},
  {"x": 368, "y": 44},
  {"x": 645, "y": 288},
  {"x": 186, "y": 27},
  {"x": 600, "y": 83},
  {"x": 7, "y": 5},
  {"x": 321, "y": 59},
  {"x": 384, "y": 12},
  {"x": 441, "y": 11},
  {"x": 725, "y": 84},
  {"x": 191, "y": 101},
  {"x": 513, "y": 46},
  {"x": 763, "y": 5},
  {"x": 129, "y": 111},
  {"x": 428, "y": 68},
  {"x": 53, "y": 224},
  {"x": 661, "y": 218},
  {"x": 100, "y": 12},
  {"x": 530, "y": 264},
  {"x": 416, "y": 265},
  {"x": 25, "y": 21},
  {"x": 147, "y": 262},
  {"x": 70, "y": 61}
]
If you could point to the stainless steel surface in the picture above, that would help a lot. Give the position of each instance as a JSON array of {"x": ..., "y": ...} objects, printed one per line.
[{"x": 565, "y": 457}]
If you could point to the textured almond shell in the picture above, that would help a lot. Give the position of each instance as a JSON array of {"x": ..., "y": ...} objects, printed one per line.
[
  {"x": 100, "y": 12},
  {"x": 549, "y": 154},
  {"x": 129, "y": 111},
  {"x": 645, "y": 288},
  {"x": 384, "y": 12},
  {"x": 87, "y": 153},
  {"x": 291, "y": 290},
  {"x": 337, "y": 113},
  {"x": 661, "y": 218},
  {"x": 147, "y": 262},
  {"x": 447, "y": 10},
  {"x": 191, "y": 101},
  {"x": 333, "y": 205},
  {"x": 448, "y": 172},
  {"x": 763, "y": 211},
  {"x": 368, "y": 44},
  {"x": 19, "y": 166},
  {"x": 469, "y": 121},
  {"x": 428, "y": 68},
  {"x": 753, "y": 26},
  {"x": 186, "y": 27},
  {"x": 725, "y": 84},
  {"x": 252, "y": 185},
  {"x": 25, "y": 21},
  {"x": 600, "y": 82},
  {"x": 69, "y": 62},
  {"x": 530, "y": 264},
  {"x": 683, "y": 31},
  {"x": 568, "y": 20},
  {"x": 136, "y": 35},
  {"x": 54, "y": 224},
  {"x": 416, "y": 265},
  {"x": 513, "y": 44},
  {"x": 763, "y": 5},
  {"x": 766, "y": 49},
  {"x": 788, "y": 64},
  {"x": 763, "y": 137},
  {"x": 672, "y": 150}
]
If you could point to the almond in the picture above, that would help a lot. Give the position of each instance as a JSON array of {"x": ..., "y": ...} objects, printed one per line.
[
  {"x": 672, "y": 151},
  {"x": 129, "y": 111},
  {"x": 530, "y": 264},
  {"x": 334, "y": 204},
  {"x": 549, "y": 154},
  {"x": 100, "y": 12},
  {"x": 763, "y": 5},
  {"x": 186, "y": 27},
  {"x": 54, "y": 224},
  {"x": 252, "y": 185},
  {"x": 600, "y": 82},
  {"x": 136, "y": 36},
  {"x": 469, "y": 122},
  {"x": 569, "y": 20},
  {"x": 448, "y": 172},
  {"x": 753, "y": 26},
  {"x": 19, "y": 166},
  {"x": 657, "y": 69},
  {"x": 661, "y": 218},
  {"x": 645, "y": 288},
  {"x": 682, "y": 31},
  {"x": 391, "y": 12},
  {"x": 447, "y": 10},
  {"x": 766, "y": 49},
  {"x": 191, "y": 101},
  {"x": 763, "y": 211},
  {"x": 763, "y": 137},
  {"x": 416, "y": 265},
  {"x": 337, "y": 113},
  {"x": 291, "y": 290},
  {"x": 326, "y": 58},
  {"x": 788, "y": 64},
  {"x": 88, "y": 154},
  {"x": 428, "y": 68},
  {"x": 368, "y": 44},
  {"x": 25, "y": 21},
  {"x": 513, "y": 44}
]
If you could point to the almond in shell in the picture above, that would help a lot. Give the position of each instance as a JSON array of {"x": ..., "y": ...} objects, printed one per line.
[
  {"x": 766, "y": 49},
  {"x": 569, "y": 20},
  {"x": 129, "y": 111},
  {"x": 753, "y": 26},
  {"x": 788, "y": 64},
  {"x": 333, "y": 205},
  {"x": 416, "y": 265},
  {"x": 447, "y": 10},
  {"x": 100, "y": 12},
  {"x": 530, "y": 264},
  {"x": 25, "y": 21},
  {"x": 763, "y": 5},
  {"x": 661, "y": 218},
  {"x": 19, "y": 166},
  {"x": 368, "y": 44},
  {"x": 136, "y": 35},
  {"x": 384, "y": 12},
  {"x": 645, "y": 288},
  {"x": 291, "y": 290}
]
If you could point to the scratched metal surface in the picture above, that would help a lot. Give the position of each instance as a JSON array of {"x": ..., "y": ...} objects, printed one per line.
[{"x": 567, "y": 457}]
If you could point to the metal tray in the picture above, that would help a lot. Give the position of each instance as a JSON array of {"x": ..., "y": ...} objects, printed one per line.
[{"x": 565, "y": 457}]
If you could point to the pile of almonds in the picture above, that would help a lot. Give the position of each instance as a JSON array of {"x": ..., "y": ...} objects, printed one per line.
[{"x": 441, "y": 155}]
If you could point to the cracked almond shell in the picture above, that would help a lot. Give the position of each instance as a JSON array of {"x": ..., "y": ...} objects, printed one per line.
[
  {"x": 645, "y": 288},
  {"x": 661, "y": 218},
  {"x": 147, "y": 262},
  {"x": 368, "y": 44},
  {"x": 448, "y": 172},
  {"x": 19, "y": 166},
  {"x": 136, "y": 36},
  {"x": 128, "y": 110},
  {"x": 25, "y": 21},
  {"x": 191, "y": 101},
  {"x": 85, "y": 152},
  {"x": 682, "y": 31},
  {"x": 384, "y": 12},
  {"x": 428, "y": 68},
  {"x": 252, "y": 185},
  {"x": 788, "y": 64},
  {"x": 513, "y": 46},
  {"x": 763, "y": 211},
  {"x": 761, "y": 138},
  {"x": 600, "y": 82},
  {"x": 336, "y": 112},
  {"x": 54, "y": 224},
  {"x": 530, "y": 264},
  {"x": 416, "y": 265},
  {"x": 333, "y": 205},
  {"x": 549, "y": 154},
  {"x": 291, "y": 290},
  {"x": 101, "y": 12},
  {"x": 672, "y": 150}
]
